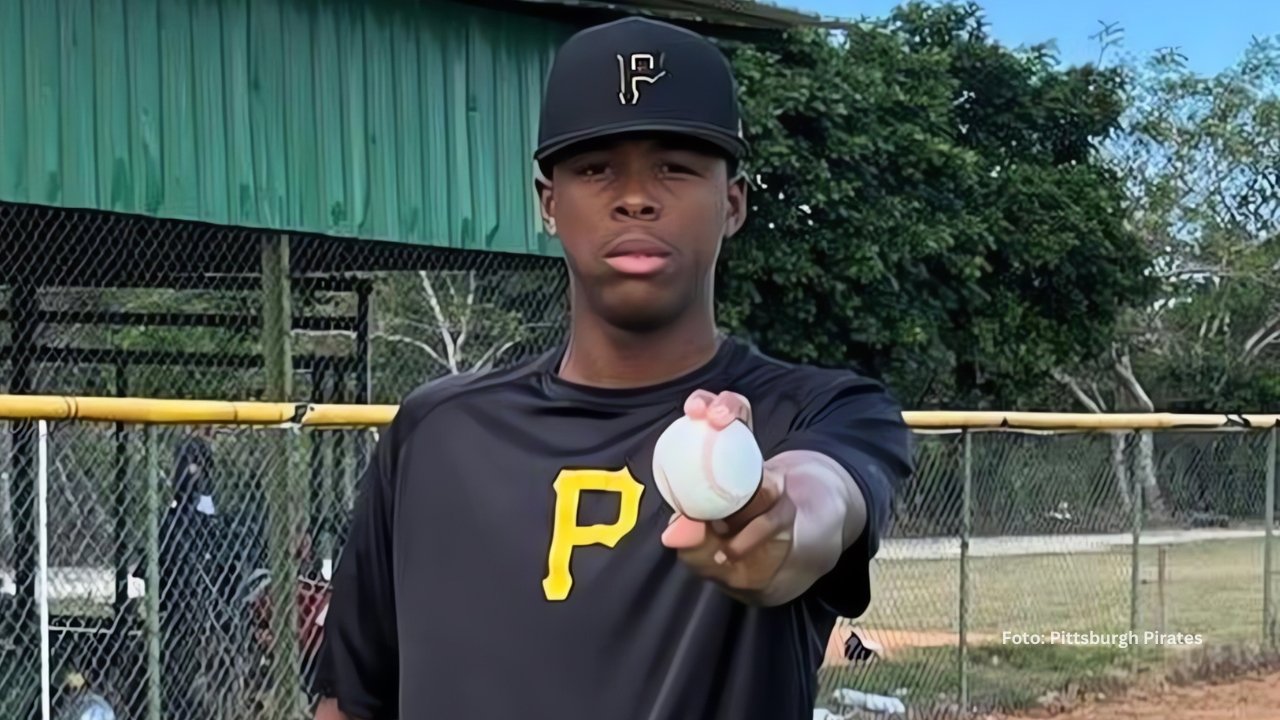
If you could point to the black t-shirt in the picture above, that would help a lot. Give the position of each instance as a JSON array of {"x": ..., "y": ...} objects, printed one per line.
[{"x": 505, "y": 556}]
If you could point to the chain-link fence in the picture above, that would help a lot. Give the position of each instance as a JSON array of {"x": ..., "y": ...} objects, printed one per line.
[
  {"x": 161, "y": 548},
  {"x": 94, "y": 303},
  {"x": 187, "y": 566},
  {"x": 1033, "y": 568},
  {"x": 102, "y": 304}
]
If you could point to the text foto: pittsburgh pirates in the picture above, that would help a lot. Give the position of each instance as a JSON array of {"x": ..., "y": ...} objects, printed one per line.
[{"x": 1124, "y": 639}]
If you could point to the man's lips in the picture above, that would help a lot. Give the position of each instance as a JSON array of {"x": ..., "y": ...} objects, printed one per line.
[
  {"x": 638, "y": 265},
  {"x": 638, "y": 246},
  {"x": 638, "y": 256}
]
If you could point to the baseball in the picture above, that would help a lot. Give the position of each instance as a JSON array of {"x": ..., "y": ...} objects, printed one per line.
[{"x": 707, "y": 474}]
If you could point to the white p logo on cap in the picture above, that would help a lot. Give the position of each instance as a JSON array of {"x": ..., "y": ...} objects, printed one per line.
[{"x": 638, "y": 68}]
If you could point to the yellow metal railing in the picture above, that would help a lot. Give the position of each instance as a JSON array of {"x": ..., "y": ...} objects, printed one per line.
[{"x": 179, "y": 412}]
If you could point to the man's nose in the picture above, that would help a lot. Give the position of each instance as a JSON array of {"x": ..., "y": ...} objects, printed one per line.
[{"x": 636, "y": 201}]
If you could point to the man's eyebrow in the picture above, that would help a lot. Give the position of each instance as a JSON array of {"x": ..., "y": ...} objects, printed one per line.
[
  {"x": 676, "y": 144},
  {"x": 687, "y": 146}
]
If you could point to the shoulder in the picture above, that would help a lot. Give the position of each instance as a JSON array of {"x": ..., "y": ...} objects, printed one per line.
[
  {"x": 808, "y": 384},
  {"x": 453, "y": 391}
]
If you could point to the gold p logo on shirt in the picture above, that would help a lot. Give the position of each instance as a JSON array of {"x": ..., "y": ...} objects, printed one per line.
[{"x": 567, "y": 534}]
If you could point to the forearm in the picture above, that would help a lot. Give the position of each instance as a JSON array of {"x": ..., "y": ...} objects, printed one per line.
[
  {"x": 328, "y": 710},
  {"x": 828, "y": 494},
  {"x": 831, "y": 515}
]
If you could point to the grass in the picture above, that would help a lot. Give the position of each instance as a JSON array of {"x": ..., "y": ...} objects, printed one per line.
[{"x": 1213, "y": 589}]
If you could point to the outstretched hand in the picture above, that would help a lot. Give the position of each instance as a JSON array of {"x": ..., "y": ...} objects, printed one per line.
[{"x": 745, "y": 551}]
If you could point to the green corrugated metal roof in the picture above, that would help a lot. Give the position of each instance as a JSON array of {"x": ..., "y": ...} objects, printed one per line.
[
  {"x": 714, "y": 15},
  {"x": 404, "y": 121}
]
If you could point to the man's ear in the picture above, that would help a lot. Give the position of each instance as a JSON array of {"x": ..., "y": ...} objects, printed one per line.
[
  {"x": 736, "y": 207},
  {"x": 546, "y": 199}
]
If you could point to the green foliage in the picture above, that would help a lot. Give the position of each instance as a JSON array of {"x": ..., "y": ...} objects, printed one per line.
[
  {"x": 929, "y": 207},
  {"x": 1201, "y": 158},
  {"x": 225, "y": 379}
]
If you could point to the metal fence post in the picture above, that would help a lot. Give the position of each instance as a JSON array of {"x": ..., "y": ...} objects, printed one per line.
[
  {"x": 966, "y": 530},
  {"x": 152, "y": 629},
  {"x": 1135, "y": 577},
  {"x": 1268, "y": 568}
]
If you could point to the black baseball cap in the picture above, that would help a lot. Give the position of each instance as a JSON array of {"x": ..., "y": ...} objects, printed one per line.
[{"x": 640, "y": 75}]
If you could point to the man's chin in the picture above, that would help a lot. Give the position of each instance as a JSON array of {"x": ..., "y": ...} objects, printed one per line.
[
  {"x": 641, "y": 324},
  {"x": 640, "y": 313},
  {"x": 640, "y": 305}
]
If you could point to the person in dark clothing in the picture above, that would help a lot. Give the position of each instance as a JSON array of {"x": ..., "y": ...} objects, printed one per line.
[
  {"x": 189, "y": 536},
  {"x": 510, "y": 553}
]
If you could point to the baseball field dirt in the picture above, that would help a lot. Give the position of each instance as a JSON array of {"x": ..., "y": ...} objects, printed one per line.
[{"x": 1254, "y": 697}]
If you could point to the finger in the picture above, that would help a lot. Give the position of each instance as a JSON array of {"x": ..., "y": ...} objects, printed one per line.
[
  {"x": 773, "y": 526},
  {"x": 684, "y": 534},
  {"x": 727, "y": 407},
  {"x": 772, "y": 486},
  {"x": 697, "y": 404}
]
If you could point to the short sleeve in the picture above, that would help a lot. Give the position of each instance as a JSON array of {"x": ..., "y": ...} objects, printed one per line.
[
  {"x": 358, "y": 662},
  {"x": 856, "y": 422}
]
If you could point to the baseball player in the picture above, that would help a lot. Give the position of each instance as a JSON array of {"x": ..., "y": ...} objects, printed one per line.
[{"x": 510, "y": 555}]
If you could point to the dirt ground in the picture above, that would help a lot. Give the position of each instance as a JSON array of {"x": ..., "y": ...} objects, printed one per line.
[
  {"x": 887, "y": 641},
  {"x": 1251, "y": 698}
]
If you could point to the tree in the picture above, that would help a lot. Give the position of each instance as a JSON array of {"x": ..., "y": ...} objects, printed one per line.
[
  {"x": 429, "y": 323},
  {"x": 930, "y": 207},
  {"x": 1201, "y": 157},
  {"x": 448, "y": 323},
  {"x": 1201, "y": 162}
]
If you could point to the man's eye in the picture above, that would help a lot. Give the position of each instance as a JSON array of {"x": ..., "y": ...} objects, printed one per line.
[
  {"x": 591, "y": 169},
  {"x": 671, "y": 168}
]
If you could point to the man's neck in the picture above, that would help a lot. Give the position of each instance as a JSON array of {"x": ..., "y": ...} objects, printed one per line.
[{"x": 602, "y": 356}]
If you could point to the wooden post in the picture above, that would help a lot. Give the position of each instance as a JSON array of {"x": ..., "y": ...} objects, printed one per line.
[
  {"x": 363, "y": 379},
  {"x": 284, "y": 506},
  {"x": 277, "y": 314}
]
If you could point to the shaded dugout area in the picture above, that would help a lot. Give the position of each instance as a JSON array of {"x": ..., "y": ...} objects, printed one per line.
[{"x": 118, "y": 305}]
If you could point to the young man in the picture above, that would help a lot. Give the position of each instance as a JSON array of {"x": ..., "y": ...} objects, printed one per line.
[{"x": 510, "y": 555}]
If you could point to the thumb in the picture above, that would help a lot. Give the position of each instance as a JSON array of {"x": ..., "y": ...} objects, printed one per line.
[{"x": 684, "y": 534}]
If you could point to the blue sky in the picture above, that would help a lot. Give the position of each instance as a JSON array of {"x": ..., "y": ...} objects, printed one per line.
[{"x": 1211, "y": 33}]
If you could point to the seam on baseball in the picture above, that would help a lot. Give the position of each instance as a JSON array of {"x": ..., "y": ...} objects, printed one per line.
[
  {"x": 660, "y": 476},
  {"x": 708, "y": 466}
]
